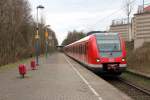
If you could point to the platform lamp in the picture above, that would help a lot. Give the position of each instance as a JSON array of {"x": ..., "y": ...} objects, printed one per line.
[
  {"x": 143, "y": 4},
  {"x": 37, "y": 36},
  {"x": 46, "y": 40}
]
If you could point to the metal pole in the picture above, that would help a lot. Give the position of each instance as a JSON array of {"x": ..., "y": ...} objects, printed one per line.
[
  {"x": 37, "y": 41},
  {"x": 46, "y": 44},
  {"x": 37, "y": 36},
  {"x": 46, "y": 40},
  {"x": 143, "y": 5},
  {"x": 129, "y": 22},
  {"x": 37, "y": 19},
  {"x": 46, "y": 48},
  {"x": 129, "y": 33}
]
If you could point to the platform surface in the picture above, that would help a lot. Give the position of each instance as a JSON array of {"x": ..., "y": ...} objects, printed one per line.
[{"x": 57, "y": 78}]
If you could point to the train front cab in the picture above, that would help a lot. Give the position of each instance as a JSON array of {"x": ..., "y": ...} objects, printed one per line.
[{"x": 107, "y": 53}]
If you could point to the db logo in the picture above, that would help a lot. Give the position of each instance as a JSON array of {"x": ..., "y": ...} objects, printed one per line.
[{"x": 111, "y": 60}]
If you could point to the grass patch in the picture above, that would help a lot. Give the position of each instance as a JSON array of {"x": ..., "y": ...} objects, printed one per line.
[
  {"x": 14, "y": 65},
  {"x": 23, "y": 61}
]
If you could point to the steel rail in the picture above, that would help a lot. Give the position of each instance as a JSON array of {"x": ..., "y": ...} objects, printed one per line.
[{"x": 146, "y": 91}]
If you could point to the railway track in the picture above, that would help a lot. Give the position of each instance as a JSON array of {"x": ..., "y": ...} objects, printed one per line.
[
  {"x": 134, "y": 91},
  {"x": 146, "y": 91}
]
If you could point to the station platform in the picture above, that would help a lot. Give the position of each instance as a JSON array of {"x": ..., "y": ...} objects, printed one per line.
[{"x": 58, "y": 78}]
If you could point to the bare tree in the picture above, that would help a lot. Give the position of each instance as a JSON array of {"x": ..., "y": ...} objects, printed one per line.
[
  {"x": 128, "y": 8},
  {"x": 72, "y": 37},
  {"x": 17, "y": 29}
]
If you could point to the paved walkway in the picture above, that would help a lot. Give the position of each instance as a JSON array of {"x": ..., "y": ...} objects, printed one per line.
[{"x": 57, "y": 78}]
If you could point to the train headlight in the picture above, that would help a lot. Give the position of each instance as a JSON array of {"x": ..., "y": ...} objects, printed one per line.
[
  {"x": 123, "y": 59},
  {"x": 97, "y": 60}
]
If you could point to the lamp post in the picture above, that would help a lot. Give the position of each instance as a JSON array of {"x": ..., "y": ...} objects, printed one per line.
[
  {"x": 50, "y": 37},
  {"x": 46, "y": 40},
  {"x": 143, "y": 5},
  {"x": 37, "y": 36}
]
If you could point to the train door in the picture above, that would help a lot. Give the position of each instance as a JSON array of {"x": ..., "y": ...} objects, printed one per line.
[{"x": 86, "y": 52}]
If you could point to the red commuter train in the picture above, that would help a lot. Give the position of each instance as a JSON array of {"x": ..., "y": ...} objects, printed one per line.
[{"x": 101, "y": 52}]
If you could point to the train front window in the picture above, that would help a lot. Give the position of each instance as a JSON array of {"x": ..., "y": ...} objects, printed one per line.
[{"x": 108, "y": 45}]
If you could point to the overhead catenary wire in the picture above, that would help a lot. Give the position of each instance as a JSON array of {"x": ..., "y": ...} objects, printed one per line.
[{"x": 90, "y": 27}]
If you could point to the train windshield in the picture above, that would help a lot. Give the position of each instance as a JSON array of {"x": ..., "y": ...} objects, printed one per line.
[{"x": 109, "y": 43}]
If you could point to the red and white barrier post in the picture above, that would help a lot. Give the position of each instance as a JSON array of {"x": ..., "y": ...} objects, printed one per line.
[
  {"x": 33, "y": 65},
  {"x": 22, "y": 70}
]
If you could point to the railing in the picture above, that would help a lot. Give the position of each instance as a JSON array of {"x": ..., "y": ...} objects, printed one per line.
[{"x": 120, "y": 21}]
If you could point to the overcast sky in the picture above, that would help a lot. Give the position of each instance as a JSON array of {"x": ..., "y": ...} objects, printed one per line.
[{"x": 86, "y": 15}]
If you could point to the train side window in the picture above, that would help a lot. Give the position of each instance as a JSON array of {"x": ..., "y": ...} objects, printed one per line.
[
  {"x": 80, "y": 49},
  {"x": 83, "y": 49},
  {"x": 86, "y": 47},
  {"x": 75, "y": 49}
]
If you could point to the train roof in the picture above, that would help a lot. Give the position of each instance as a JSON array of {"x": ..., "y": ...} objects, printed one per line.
[
  {"x": 81, "y": 40},
  {"x": 95, "y": 34},
  {"x": 108, "y": 33}
]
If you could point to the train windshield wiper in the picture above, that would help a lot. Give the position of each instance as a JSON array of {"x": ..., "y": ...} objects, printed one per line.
[{"x": 110, "y": 51}]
